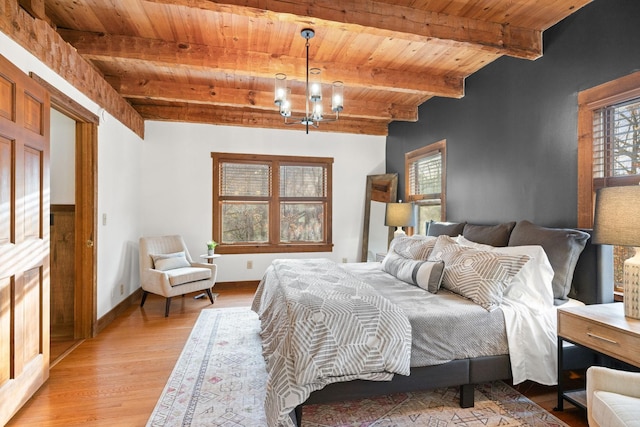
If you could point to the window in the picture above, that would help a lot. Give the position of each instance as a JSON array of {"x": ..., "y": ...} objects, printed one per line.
[
  {"x": 271, "y": 203},
  {"x": 608, "y": 148},
  {"x": 425, "y": 182}
]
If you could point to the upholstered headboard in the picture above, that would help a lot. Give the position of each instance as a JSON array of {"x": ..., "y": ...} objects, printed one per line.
[{"x": 593, "y": 278}]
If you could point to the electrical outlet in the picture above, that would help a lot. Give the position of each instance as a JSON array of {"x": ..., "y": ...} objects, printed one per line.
[
  {"x": 249, "y": 265},
  {"x": 121, "y": 288}
]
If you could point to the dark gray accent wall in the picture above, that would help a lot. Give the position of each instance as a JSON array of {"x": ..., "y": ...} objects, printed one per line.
[{"x": 512, "y": 139}]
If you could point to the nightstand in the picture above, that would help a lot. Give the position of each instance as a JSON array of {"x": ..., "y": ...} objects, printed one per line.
[{"x": 602, "y": 328}]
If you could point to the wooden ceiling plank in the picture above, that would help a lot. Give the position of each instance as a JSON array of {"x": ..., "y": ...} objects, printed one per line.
[
  {"x": 105, "y": 47},
  {"x": 386, "y": 20},
  {"x": 259, "y": 100}
]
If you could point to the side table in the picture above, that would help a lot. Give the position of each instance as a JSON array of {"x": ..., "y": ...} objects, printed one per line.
[
  {"x": 210, "y": 258},
  {"x": 602, "y": 328}
]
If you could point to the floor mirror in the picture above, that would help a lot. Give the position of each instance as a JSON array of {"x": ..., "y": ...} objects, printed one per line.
[{"x": 381, "y": 189}]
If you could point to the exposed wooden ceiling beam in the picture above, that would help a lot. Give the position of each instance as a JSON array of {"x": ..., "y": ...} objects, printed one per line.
[
  {"x": 385, "y": 19},
  {"x": 198, "y": 113},
  {"x": 262, "y": 64},
  {"x": 244, "y": 98},
  {"x": 39, "y": 38}
]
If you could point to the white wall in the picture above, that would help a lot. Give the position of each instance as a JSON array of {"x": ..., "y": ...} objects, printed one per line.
[
  {"x": 177, "y": 184},
  {"x": 62, "y": 159},
  {"x": 119, "y": 214}
]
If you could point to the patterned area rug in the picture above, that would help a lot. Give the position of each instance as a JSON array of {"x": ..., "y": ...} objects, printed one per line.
[{"x": 219, "y": 380}]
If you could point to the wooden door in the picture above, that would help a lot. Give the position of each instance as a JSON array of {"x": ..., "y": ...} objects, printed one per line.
[{"x": 24, "y": 238}]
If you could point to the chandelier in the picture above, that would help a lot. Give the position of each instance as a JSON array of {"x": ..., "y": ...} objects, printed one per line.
[{"x": 313, "y": 94}]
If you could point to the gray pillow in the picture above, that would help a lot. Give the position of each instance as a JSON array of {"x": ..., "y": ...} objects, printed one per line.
[
  {"x": 494, "y": 235},
  {"x": 563, "y": 246},
  {"x": 415, "y": 247},
  {"x": 424, "y": 274},
  {"x": 437, "y": 228}
]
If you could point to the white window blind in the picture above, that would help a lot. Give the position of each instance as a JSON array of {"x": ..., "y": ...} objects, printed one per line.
[
  {"x": 425, "y": 171},
  {"x": 616, "y": 144},
  {"x": 265, "y": 203},
  {"x": 425, "y": 176}
]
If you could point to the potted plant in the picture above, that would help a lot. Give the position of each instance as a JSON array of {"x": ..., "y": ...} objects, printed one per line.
[{"x": 211, "y": 247}]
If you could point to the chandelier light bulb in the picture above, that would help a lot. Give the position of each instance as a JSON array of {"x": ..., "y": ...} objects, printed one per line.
[
  {"x": 337, "y": 98},
  {"x": 315, "y": 91},
  {"x": 285, "y": 103},
  {"x": 280, "y": 88},
  {"x": 317, "y": 112}
]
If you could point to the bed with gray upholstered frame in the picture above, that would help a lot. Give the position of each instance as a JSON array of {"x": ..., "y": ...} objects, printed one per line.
[{"x": 591, "y": 283}]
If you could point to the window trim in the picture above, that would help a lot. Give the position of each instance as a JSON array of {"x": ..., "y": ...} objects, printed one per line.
[
  {"x": 590, "y": 100},
  {"x": 274, "y": 204},
  {"x": 415, "y": 155}
]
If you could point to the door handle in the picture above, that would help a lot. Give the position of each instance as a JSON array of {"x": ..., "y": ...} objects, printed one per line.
[{"x": 89, "y": 243}]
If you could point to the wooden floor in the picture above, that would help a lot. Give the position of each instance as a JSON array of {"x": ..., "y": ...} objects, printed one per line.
[{"x": 116, "y": 378}]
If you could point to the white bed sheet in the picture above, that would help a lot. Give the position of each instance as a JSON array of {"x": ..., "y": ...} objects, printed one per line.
[{"x": 531, "y": 318}]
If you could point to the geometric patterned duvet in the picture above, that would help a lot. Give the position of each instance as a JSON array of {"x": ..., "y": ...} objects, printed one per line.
[{"x": 321, "y": 325}]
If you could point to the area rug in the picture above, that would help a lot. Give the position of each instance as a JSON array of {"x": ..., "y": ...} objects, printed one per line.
[{"x": 219, "y": 380}]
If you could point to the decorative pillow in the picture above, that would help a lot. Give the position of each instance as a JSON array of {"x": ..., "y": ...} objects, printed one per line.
[
  {"x": 164, "y": 262},
  {"x": 494, "y": 235},
  {"x": 532, "y": 284},
  {"x": 481, "y": 276},
  {"x": 563, "y": 246},
  {"x": 415, "y": 247},
  {"x": 425, "y": 274},
  {"x": 437, "y": 228}
]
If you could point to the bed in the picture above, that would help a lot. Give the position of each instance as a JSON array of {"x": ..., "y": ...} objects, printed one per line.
[{"x": 387, "y": 346}]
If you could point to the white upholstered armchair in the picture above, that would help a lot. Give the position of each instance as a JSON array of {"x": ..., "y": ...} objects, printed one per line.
[
  {"x": 166, "y": 269},
  {"x": 613, "y": 397}
]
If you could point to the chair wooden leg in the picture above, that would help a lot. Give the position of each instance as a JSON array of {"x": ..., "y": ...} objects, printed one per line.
[
  {"x": 144, "y": 298},
  {"x": 166, "y": 307},
  {"x": 209, "y": 294}
]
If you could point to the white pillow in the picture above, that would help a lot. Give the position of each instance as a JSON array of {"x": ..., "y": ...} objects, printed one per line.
[{"x": 164, "y": 262}]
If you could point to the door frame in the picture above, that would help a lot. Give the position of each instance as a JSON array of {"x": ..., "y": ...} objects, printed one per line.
[{"x": 86, "y": 201}]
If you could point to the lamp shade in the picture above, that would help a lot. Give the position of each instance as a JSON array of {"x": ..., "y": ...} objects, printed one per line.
[
  {"x": 400, "y": 215},
  {"x": 617, "y": 216}
]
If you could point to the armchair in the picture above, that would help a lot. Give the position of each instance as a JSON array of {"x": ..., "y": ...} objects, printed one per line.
[
  {"x": 613, "y": 397},
  {"x": 166, "y": 269}
]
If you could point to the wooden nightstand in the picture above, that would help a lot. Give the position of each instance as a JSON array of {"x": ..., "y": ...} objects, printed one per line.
[{"x": 602, "y": 328}]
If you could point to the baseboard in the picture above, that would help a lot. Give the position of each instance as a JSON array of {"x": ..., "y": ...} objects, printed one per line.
[
  {"x": 244, "y": 285},
  {"x": 134, "y": 298},
  {"x": 116, "y": 311}
]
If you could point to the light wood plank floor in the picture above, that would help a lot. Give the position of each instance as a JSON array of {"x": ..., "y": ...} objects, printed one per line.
[{"x": 116, "y": 378}]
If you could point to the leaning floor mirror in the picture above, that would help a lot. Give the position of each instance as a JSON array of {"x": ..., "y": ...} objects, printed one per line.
[{"x": 380, "y": 190}]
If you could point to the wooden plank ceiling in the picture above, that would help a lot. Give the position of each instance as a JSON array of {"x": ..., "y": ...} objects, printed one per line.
[{"x": 214, "y": 61}]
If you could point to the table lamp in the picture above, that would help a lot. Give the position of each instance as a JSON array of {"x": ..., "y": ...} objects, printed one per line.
[
  {"x": 400, "y": 215},
  {"x": 617, "y": 222}
]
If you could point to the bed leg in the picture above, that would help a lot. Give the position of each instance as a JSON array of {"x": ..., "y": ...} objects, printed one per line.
[
  {"x": 466, "y": 395},
  {"x": 296, "y": 415}
]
